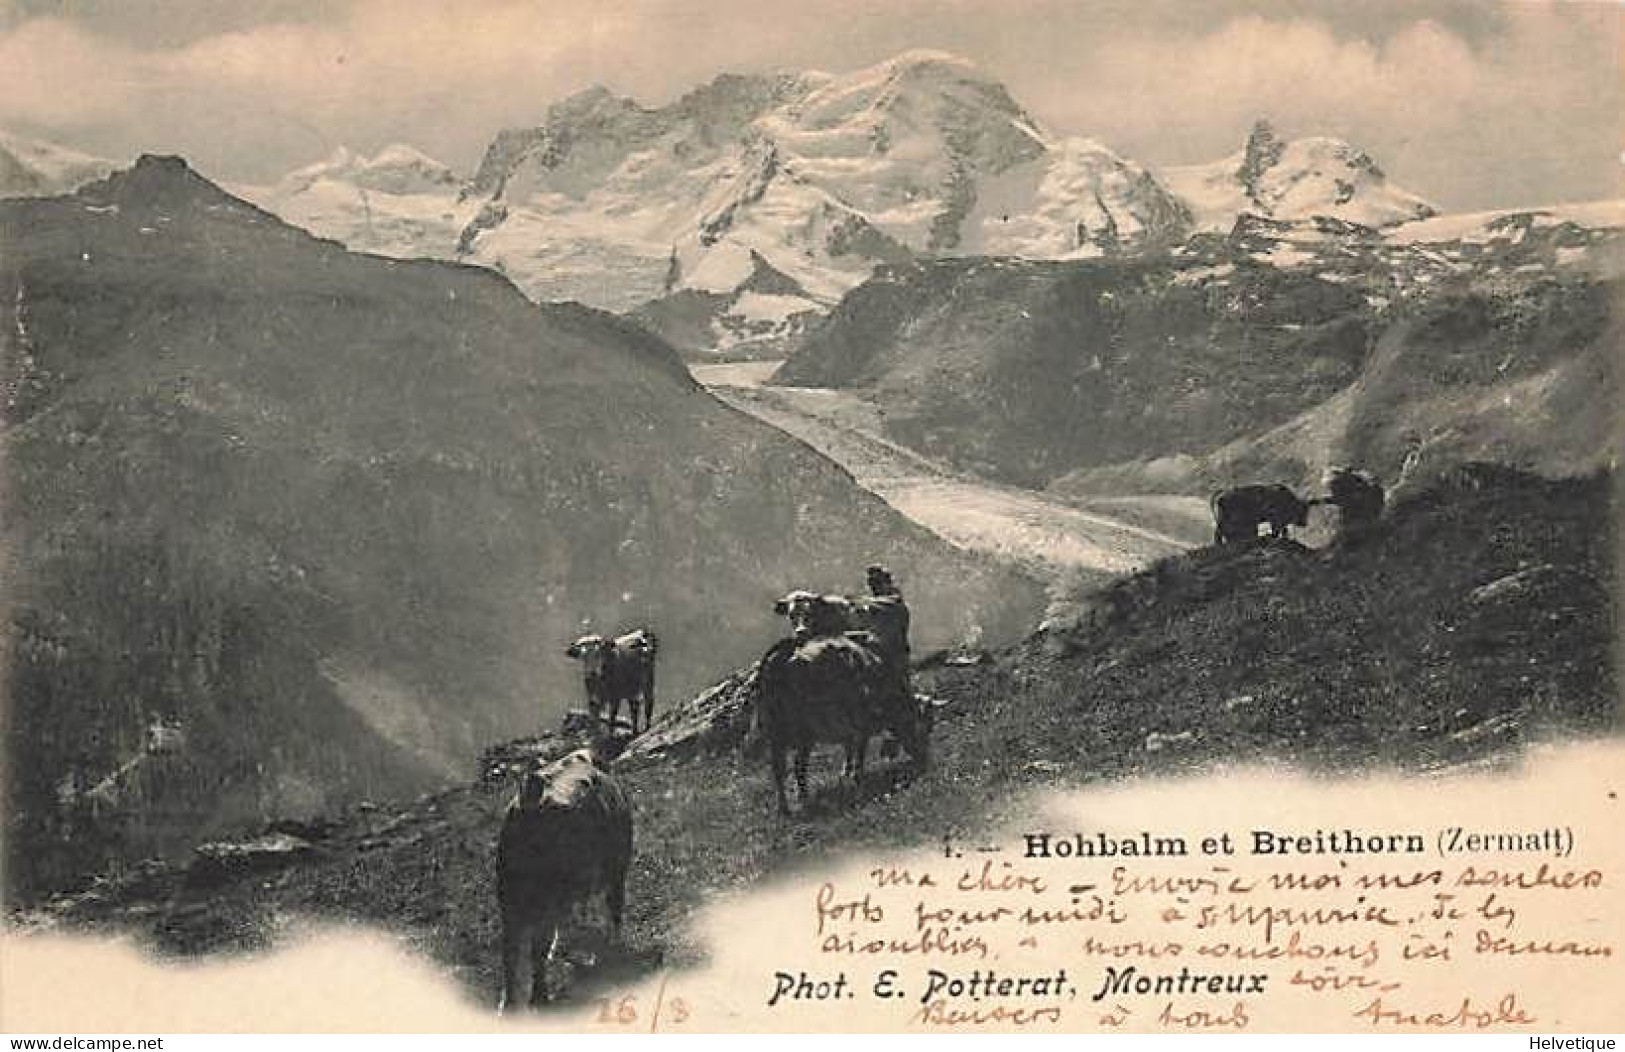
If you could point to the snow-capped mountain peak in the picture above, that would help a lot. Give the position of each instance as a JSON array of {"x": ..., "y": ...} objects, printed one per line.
[
  {"x": 1293, "y": 179},
  {"x": 32, "y": 168},
  {"x": 906, "y": 141},
  {"x": 396, "y": 169},
  {"x": 819, "y": 176},
  {"x": 398, "y": 202},
  {"x": 912, "y": 85},
  {"x": 1081, "y": 199},
  {"x": 814, "y": 178}
]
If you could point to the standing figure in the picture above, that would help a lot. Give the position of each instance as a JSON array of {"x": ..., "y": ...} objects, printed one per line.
[
  {"x": 884, "y": 613},
  {"x": 1358, "y": 495},
  {"x": 886, "y": 616}
]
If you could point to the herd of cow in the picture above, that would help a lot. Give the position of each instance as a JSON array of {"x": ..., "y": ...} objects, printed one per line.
[
  {"x": 1239, "y": 512},
  {"x": 840, "y": 677}
]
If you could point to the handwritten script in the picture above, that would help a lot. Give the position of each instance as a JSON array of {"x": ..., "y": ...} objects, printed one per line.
[{"x": 1225, "y": 930}]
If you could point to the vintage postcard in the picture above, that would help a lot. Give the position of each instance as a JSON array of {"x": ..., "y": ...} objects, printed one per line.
[{"x": 699, "y": 516}]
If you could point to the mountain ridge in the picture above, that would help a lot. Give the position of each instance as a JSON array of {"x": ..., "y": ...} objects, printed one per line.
[
  {"x": 823, "y": 177},
  {"x": 1182, "y": 374}
]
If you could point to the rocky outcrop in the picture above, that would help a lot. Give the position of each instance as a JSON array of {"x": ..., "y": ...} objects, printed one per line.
[{"x": 1263, "y": 152}]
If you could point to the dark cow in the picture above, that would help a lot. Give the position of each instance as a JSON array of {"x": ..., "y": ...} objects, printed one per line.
[
  {"x": 566, "y": 837},
  {"x": 828, "y": 684},
  {"x": 617, "y": 670},
  {"x": 1237, "y": 512},
  {"x": 811, "y": 614},
  {"x": 1357, "y": 494},
  {"x": 879, "y": 620},
  {"x": 881, "y": 614}
]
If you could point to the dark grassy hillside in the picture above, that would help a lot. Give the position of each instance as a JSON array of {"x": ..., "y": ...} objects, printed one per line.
[
  {"x": 1132, "y": 377},
  {"x": 1477, "y": 619},
  {"x": 1022, "y": 370},
  {"x": 1520, "y": 372},
  {"x": 286, "y": 526},
  {"x": 1524, "y": 374}
]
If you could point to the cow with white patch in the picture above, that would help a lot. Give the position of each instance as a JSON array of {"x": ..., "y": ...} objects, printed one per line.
[
  {"x": 1238, "y": 512},
  {"x": 566, "y": 838},
  {"x": 811, "y": 614},
  {"x": 618, "y": 670}
]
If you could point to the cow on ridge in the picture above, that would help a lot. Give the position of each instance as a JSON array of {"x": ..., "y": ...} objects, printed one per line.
[
  {"x": 1238, "y": 512},
  {"x": 618, "y": 670}
]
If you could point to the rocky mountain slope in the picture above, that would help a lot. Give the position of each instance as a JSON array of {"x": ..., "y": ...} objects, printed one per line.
[
  {"x": 289, "y": 526},
  {"x": 1177, "y": 375},
  {"x": 1477, "y": 620},
  {"x": 1523, "y": 374},
  {"x": 1499, "y": 342},
  {"x": 1020, "y": 370}
]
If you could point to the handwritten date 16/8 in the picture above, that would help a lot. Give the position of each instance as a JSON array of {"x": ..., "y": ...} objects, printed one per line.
[{"x": 623, "y": 1011}]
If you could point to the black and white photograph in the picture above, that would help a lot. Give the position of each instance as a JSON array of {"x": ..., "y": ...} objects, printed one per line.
[{"x": 601, "y": 510}]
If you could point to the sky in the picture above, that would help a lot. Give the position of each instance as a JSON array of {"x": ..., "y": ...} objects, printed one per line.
[{"x": 1473, "y": 104}]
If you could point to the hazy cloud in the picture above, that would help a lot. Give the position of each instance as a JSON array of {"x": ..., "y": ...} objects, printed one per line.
[{"x": 1533, "y": 112}]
